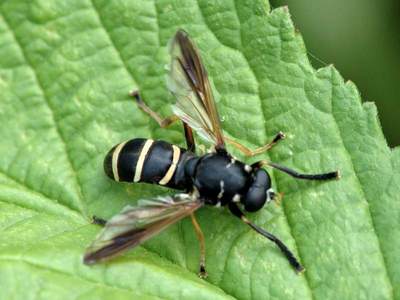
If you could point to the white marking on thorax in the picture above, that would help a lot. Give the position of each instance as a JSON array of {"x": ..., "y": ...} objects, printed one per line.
[
  {"x": 236, "y": 198},
  {"x": 140, "y": 162},
  {"x": 231, "y": 163},
  {"x": 171, "y": 170},
  {"x": 247, "y": 168},
  {"x": 221, "y": 192},
  {"x": 114, "y": 161}
]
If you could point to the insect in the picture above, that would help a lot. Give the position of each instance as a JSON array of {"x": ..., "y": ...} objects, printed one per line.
[{"x": 215, "y": 178}]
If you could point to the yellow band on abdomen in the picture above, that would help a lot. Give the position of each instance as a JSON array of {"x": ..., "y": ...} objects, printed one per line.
[
  {"x": 140, "y": 162},
  {"x": 171, "y": 170},
  {"x": 114, "y": 162}
]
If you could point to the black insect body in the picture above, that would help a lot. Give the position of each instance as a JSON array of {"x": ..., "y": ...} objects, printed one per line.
[
  {"x": 216, "y": 178},
  {"x": 145, "y": 160},
  {"x": 221, "y": 179}
]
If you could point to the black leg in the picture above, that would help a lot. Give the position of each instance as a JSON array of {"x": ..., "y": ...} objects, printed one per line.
[
  {"x": 285, "y": 250},
  {"x": 98, "y": 221},
  {"x": 295, "y": 174}
]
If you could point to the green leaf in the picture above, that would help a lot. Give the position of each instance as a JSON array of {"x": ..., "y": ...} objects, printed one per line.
[{"x": 65, "y": 70}]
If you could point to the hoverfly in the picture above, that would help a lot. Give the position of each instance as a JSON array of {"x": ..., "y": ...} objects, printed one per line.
[{"x": 216, "y": 178}]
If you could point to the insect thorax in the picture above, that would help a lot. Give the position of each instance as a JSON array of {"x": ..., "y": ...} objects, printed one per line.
[{"x": 220, "y": 178}]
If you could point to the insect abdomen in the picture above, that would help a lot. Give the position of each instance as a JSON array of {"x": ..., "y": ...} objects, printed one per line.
[{"x": 144, "y": 160}]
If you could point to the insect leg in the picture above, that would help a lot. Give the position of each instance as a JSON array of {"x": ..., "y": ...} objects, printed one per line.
[
  {"x": 98, "y": 221},
  {"x": 191, "y": 145},
  {"x": 295, "y": 174},
  {"x": 285, "y": 250},
  {"x": 248, "y": 152},
  {"x": 200, "y": 237},
  {"x": 166, "y": 121},
  {"x": 162, "y": 122}
]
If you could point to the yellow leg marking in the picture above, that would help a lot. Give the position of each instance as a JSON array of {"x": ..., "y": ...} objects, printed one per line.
[
  {"x": 162, "y": 122},
  {"x": 171, "y": 170},
  {"x": 200, "y": 237},
  {"x": 142, "y": 156},
  {"x": 114, "y": 162},
  {"x": 248, "y": 152}
]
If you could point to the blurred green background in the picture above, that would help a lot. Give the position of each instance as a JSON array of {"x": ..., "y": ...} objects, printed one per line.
[{"x": 362, "y": 39}]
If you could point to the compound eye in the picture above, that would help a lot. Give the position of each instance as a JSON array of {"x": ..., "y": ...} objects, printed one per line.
[
  {"x": 256, "y": 196},
  {"x": 255, "y": 199}
]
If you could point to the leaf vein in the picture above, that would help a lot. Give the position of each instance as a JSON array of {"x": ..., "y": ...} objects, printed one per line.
[
  {"x": 242, "y": 53},
  {"x": 114, "y": 46},
  {"x": 117, "y": 51},
  {"x": 363, "y": 194},
  {"x": 49, "y": 268},
  {"x": 80, "y": 204},
  {"x": 287, "y": 219},
  {"x": 39, "y": 194}
]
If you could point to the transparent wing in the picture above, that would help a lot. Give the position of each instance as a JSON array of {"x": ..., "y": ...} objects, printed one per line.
[
  {"x": 136, "y": 224},
  {"x": 188, "y": 81}
]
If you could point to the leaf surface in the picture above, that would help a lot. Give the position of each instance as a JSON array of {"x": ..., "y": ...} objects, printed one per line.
[{"x": 65, "y": 71}]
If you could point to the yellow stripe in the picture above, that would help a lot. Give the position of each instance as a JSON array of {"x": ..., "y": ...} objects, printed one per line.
[
  {"x": 142, "y": 156},
  {"x": 114, "y": 162},
  {"x": 175, "y": 158}
]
